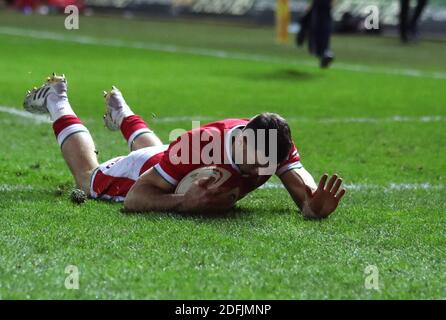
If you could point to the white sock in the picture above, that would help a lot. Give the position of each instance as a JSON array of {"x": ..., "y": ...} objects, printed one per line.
[
  {"x": 126, "y": 112},
  {"x": 123, "y": 112},
  {"x": 58, "y": 106}
]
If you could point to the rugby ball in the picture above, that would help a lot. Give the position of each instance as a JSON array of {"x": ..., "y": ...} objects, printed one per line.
[{"x": 220, "y": 175}]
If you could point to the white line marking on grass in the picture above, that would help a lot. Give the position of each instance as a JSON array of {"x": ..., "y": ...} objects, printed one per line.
[
  {"x": 13, "y": 187},
  {"x": 377, "y": 120},
  {"x": 390, "y": 71},
  {"x": 392, "y": 186},
  {"x": 181, "y": 118},
  {"x": 37, "y": 118},
  {"x": 372, "y": 120},
  {"x": 211, "y": 52}
]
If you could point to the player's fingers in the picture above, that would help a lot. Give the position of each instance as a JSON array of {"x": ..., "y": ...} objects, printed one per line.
[
  {"x": 331, "y": 182},
  {"x": 206, "y": 182},
  {"x": 340, "y": 194},
  {"x": 322, "y": 182},
  {"x": 219, "y": 190},
  {"x": 202, "y": 182},
  {"x": 336, "y": 186}
]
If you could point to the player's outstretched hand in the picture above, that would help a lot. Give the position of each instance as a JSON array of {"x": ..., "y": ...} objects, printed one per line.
[
  {"x": 325, "y": 199},
  {"x": 201, "y": 197}
]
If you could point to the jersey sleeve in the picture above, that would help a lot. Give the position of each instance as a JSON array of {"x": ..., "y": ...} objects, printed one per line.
[{"x": 292, "y": 162}]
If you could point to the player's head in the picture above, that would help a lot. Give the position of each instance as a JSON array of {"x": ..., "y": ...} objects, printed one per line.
[{"x": 266, "y": 142}]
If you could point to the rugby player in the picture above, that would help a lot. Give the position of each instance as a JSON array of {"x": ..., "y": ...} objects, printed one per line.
[{"x": 145, "y": 179}]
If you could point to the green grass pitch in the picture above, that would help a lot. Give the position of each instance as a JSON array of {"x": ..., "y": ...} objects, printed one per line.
[{"x": 343, "y": 120}]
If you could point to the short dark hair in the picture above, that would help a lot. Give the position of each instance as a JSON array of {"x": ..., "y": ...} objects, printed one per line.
[{"x": 268, "y": 121}]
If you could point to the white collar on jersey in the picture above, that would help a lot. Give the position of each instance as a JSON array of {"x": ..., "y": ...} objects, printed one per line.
[{"x": 228, "y": 146}]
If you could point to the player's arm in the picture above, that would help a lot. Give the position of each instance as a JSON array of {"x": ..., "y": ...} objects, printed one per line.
[
  {"x": 314, "y": 202},
  {"x": 151, "y": 192}
]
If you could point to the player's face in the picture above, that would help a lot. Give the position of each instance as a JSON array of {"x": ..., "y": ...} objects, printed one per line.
[
  {"x": 251, "y": 164},
  {"x": 249, "y": 169}
]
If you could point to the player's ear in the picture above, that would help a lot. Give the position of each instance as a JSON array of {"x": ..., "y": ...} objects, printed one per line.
[
  {"x": 239, "y": 144},
  {"x": 240, "y": 140}
]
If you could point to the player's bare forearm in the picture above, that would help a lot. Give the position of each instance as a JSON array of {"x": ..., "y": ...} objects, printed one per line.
[
  {"x": 143, "y": 198},
  {"x": 152, "y": 193},
  {"x": 295, "y": 186}
]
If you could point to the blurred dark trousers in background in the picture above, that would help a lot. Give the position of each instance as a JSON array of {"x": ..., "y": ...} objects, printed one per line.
[
  {"x": 320, "y": 27},
  {"x": 409, "y": 30}
]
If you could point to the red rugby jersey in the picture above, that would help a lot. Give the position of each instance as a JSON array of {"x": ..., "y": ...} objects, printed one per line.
[{"x": 192, "y": 150}]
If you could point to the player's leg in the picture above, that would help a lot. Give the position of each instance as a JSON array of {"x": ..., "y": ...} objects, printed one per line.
[
  {"x": 304, "y": 26},
  {"x": 404, "y": 12},
  {"x": 133, "y": 127},
  {"x": 137, "y": 133},
  {"x": 79, "y": 153},
  {"x": 416, "y": 15},
  {"x": 321, "y": 25},
  {"x": 73, "y": 137}
]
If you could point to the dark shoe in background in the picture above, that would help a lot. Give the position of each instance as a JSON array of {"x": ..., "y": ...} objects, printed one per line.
[{"x": 327, "y": 59}]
